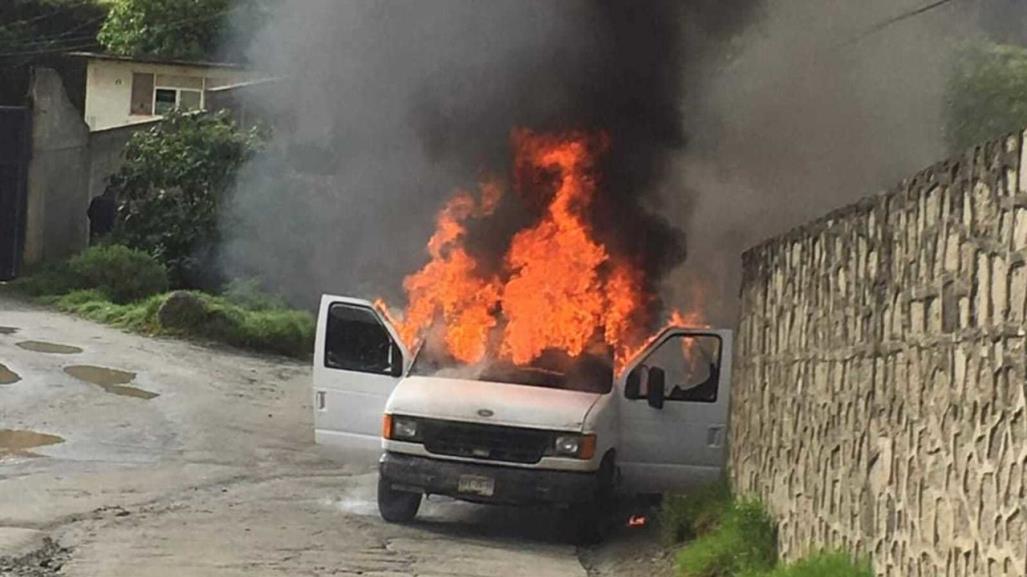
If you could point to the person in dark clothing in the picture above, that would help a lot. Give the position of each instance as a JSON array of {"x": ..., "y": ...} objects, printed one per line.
[{"x": 102, "y": 212}]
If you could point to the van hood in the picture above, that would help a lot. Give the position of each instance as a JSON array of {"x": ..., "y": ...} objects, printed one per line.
[{"x": 509, "y": 404}]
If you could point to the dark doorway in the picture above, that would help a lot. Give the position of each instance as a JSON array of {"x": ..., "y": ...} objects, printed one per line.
[{"x": 15, "y": 126}]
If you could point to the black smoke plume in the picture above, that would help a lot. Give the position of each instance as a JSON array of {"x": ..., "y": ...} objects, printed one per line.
[{"x": 394, "y": 104}]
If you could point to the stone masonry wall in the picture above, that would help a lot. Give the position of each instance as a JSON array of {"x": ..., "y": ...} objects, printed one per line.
[{"x": 879, "y": 396}]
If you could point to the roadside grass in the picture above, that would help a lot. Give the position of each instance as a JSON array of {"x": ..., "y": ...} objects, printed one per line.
[
  {"x": 728, "y": 537},
  {"x": 90, "y": 286},
  {"x": 742, "y": 542},
  {"x": 685, "y": 517},
  {"x": 139, "y": 316}
]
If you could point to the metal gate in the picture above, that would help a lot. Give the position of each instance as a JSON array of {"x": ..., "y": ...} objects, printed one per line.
[{"x": 15, "y": 129}]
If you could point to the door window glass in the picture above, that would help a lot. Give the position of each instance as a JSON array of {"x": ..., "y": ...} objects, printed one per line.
[
  {"x": 356, "y": 340},
  {"x": 691, "y": 364}
]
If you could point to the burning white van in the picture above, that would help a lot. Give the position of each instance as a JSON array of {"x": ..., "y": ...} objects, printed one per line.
[{"x": 562, "y": 431}]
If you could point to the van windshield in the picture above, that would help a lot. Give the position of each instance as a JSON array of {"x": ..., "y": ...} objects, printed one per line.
[{"x": 590, "y": 372}]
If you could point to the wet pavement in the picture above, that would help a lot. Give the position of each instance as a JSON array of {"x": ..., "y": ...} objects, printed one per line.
[
  {"x": 7, "y": 376},
  {"x": 216, "y": 476},
  {"x": 49, "y": 348},
  {"x": 18, "y": 443},
  {"x": 111, "y": 380}
]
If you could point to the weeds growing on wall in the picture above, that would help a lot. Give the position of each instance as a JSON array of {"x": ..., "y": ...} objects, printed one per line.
[{"x": 737, "y": 538}]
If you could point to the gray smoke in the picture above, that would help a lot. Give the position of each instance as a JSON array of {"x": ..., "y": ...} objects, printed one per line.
[{"x": 800, "y": 119}]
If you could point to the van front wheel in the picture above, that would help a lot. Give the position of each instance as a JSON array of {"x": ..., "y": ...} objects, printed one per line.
[{"x": 396, "y": 506}]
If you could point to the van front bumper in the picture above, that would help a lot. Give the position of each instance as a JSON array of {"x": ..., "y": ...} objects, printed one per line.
[{"x": 512, "y": 485}]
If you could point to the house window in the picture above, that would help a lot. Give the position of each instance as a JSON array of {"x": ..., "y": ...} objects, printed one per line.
[
  {"x": 160, "y": 94},
  {"x": 165, "y": 101}
]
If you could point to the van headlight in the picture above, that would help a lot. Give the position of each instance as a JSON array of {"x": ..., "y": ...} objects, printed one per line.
[
  {"x": 397, "y": 428},
  {"x": 577, "y": 446}
]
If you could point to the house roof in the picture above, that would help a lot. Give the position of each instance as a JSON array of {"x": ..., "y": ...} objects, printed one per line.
[{"x": 154, "y": 60}]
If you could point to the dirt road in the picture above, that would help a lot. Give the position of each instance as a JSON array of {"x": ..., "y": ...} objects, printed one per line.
[{"x": 187, "y": 460}]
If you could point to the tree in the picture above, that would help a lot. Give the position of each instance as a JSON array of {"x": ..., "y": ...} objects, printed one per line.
[
  {"x": 172, "y": 186},
  {"x": 186, "y": 29},
  {"x": 183, "y": 29},
  {"x": 986, "y": 95}
]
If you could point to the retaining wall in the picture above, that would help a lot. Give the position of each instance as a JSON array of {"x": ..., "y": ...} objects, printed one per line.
[{"x": 879, "y": 394}]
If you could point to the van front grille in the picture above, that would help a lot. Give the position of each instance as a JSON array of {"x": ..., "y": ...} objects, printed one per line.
[{"x": 488, "y": 442}]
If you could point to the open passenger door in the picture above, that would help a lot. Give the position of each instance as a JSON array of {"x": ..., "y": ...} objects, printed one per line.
[
  {"x": 358, "y": 361},
  {"x": 673, "y": 409}
]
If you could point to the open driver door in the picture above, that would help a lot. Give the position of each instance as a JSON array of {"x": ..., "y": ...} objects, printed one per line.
[{"x": 358, "y": 361}]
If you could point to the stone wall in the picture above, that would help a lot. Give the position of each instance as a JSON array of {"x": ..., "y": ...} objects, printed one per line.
[{"x": 879, "y": 400}]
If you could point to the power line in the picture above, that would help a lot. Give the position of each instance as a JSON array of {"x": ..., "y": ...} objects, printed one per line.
[
  {"x": 173, "y": 25},
  {"x": 46, "y": 16},
  {"x": 896, "y": 19},
  {"x": 55, "y": 50}
]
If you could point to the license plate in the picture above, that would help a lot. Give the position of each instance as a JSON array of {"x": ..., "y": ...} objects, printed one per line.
[{"x": 475, "y": 485}]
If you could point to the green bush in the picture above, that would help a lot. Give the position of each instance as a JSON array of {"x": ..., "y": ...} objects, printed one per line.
[
  {"x": 122, "y": 274},
  {"x": 744, "y": 541},
  {"x": 826, "y": 564},
  {"x": 687, "y": 516},
  {"x": 171, "y": 187},
  {"x": 47, "y": 280}
]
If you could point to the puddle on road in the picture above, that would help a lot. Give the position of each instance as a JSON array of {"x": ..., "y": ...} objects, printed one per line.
[
  {"x": 53, "y": 348},
  {"x": 7, "y": 376},
  {"x": 111, "y": 380},
  {"x": 8, "y": 330},
  {"x": 18, "y": 443}
]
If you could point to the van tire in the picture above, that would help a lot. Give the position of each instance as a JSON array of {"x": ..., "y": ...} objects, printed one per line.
[
  {"x": 591, "y": 521},
  {"x": 396, "y": 506}
]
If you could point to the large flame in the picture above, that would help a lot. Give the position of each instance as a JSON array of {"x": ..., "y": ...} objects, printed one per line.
[
  {"x": 560, "y": 288},
  {"x": 450, "y": 287}
]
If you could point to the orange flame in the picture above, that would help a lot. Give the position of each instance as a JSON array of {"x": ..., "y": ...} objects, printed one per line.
[
  {"x": 556, "y": 296},
  {"x": 560, "y": 287},
  {"x": 449, "y": 286}
]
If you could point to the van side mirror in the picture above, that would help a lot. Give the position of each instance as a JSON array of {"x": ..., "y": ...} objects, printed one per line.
[{"x": 656, "y": 392}]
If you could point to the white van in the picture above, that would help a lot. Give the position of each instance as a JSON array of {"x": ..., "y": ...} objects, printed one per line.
[{"x": 515, "y": 435}]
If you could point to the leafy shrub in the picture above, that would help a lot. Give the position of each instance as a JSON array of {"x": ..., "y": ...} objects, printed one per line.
[
  {"x": 171, "y": 188},
  {"x": 122, "y": 274},
  {"x": 47, "y": 280},
  {"x": 687, "y": 516},
  {"x": 743, "y": 542},
  {"x": 827, "y": 564}
]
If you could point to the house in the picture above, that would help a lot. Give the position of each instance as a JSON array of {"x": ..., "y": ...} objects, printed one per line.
[
  {"x": 64, "y": 139},
  {"x": 121, "y": 90}
]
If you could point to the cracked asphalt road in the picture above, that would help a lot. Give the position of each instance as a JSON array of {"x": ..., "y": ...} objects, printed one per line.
[{"x": 217, "y": 475}]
